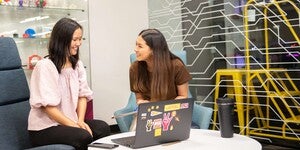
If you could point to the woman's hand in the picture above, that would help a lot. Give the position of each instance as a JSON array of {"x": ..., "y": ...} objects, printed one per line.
[
  {"x": 81, "y": 109},
  {"x": 84, "y": 126}
]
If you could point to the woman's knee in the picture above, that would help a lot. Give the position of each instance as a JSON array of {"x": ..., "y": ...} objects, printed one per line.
[
  {"x": 82, "y": 139},
  {"x": 100, "y": 129}
]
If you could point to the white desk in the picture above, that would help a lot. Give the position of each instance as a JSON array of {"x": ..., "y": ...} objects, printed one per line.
[{"x": 199, "y": 139}]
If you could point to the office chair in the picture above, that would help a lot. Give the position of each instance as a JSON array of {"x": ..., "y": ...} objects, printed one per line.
[
  {"x": 14, "y": 101},
  {"x": 201, "y": 115}
]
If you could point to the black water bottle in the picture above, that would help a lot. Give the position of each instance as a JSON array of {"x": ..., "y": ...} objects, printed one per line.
[{"x": 225, "y": 114}]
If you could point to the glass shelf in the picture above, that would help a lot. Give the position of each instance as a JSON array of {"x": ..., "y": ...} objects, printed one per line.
[
  {"x": 24, "y": 8},
  {"x": 37, "y": 38},
  {"x": 16, "y": 20}
]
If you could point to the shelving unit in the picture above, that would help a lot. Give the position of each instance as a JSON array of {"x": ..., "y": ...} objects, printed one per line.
[{"x": 15, "y": 20}]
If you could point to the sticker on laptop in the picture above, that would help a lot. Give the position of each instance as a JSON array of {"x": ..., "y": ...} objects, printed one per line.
[
  {"x": 176, "y": 106},
  {"x": 164, "y": 122},
  {"x": 155, "y": 113}
]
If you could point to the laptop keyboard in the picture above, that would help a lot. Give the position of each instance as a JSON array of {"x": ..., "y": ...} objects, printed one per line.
[{"x": 126, "y": 141}]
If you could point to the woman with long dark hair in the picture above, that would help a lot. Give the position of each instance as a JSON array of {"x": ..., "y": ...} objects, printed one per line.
[
  {"x": 157, "y": 74},
  {"x": 59, "y": 93}
]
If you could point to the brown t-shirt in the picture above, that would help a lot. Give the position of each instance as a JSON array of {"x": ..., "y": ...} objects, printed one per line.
[{"x": 181, "y": 75}]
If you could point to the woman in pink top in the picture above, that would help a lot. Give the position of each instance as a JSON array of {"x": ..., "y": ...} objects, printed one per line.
[{"x": 59, "y": 93}]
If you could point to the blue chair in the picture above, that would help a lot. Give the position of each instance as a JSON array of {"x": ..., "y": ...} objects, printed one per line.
[
  {"x": 14, "y": 101},
  {"x": 201, "y": 115}
]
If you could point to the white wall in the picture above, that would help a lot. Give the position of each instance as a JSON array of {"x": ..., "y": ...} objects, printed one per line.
[{"x": 114, "y": 26}]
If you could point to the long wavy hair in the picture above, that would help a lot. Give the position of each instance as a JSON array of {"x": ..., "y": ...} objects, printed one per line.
[
  {"x": 162, "y": 66},
  {"x": 60, "y": 42}
]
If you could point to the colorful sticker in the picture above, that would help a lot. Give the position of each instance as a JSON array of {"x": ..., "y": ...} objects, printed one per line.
[
  {"x": 149, "y": 125},
  {"x": 171, "y": 127},
  {"x": 172, "y": 107},
  {"x": 157, "y": 123},
  {"x": 166, "y": 121},
  {"x": 184, "y": 105},
  {"x": 144, "y": 114},
  {"x": 174, "y": 113},
  {"x": 177, "y": 119},
  {"x": 155, "y": 113},
  {"x": 157, "y": 132}
]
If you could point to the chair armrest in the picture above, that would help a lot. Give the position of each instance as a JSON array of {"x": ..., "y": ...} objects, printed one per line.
[{"x": 125, "y": 121}]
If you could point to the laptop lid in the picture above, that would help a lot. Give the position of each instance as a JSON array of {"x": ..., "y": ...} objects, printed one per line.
[{"x": 163, "y": 121}]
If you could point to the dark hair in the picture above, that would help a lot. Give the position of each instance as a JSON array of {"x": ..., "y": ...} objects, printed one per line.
[
  {"x": 162, "y": 65},
  {"x": 60, "y": 41}
]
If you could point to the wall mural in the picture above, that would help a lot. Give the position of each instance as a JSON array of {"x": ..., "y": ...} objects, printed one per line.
[{"x": 247, "y": 50}]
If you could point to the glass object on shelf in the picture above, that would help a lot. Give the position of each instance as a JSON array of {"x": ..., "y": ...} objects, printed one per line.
[
  {"x": 21, "y": 3},
  {"x": 40, "y": 3},
  {"x": 29, "y": 33},
  {"x": 32, "y": 60},
  {"x": 6, "y": 2}
]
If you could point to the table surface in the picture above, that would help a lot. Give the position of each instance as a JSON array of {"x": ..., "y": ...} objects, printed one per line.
[{"x": 199, "y": 139}]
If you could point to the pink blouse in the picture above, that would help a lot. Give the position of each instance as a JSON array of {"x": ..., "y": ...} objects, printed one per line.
[{"x": 49, "y": 88}]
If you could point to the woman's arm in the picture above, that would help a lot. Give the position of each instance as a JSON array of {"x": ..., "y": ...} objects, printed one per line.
[
  {"x": 182, "y": 91},
  {"x": 85, "y": 94},
  {"x": 58, "y": 116},
  {"x": 81, "y": 108}
]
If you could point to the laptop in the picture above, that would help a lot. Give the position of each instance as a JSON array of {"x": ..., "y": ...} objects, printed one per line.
[{"x": 160, "y": 122}]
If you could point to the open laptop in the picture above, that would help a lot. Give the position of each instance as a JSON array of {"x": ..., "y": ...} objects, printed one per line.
[{"x": 161, "y": 122}]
